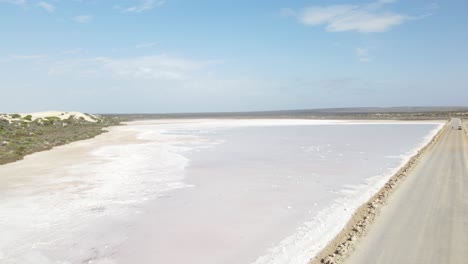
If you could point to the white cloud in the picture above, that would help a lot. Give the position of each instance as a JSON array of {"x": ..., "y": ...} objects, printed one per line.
[
  {"x": 46, "y": 6},
  {"x": 361, "y": 18},
  {"x": 144, "y": 5},
  {"x": 320, "y": 15},
  {"x": 83, "y": 19}
]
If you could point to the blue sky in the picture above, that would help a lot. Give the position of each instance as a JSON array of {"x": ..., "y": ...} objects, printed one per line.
[{"x": 192, "y": 56}]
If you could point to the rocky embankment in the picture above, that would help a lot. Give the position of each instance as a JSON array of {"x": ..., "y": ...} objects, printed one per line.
[{"x": 23, "y": 134}]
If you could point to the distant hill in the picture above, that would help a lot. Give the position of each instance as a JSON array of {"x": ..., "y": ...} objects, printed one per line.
[{"x": 365, "y": 113}]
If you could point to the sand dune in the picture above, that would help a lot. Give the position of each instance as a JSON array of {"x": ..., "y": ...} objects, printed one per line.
[{"x": 58, "y": 114}]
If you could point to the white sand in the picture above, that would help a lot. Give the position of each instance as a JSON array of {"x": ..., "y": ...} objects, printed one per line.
[{"x": 58, "y": 114}]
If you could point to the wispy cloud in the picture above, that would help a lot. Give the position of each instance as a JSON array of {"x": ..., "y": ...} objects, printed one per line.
[
  {"x": 15, "y": 2},
  {"x": 146, "y": 45},
  {"x": 160, "y": 67},
  {"x": 74, "y": 51},
  {"x": 432, "y": 7},
  {"x": 46, "y": 6},
  {"x": 347, "y": 87},
  {"x": 340, "y": 18},
  {"x": 368, "y": 18},
  {"x": 27, "y": 57},
  {"x": 144, "y": 5},
  {"x": 363, "y": 54},
  {"x": 83, "y": 19},
  {"x": 287, "y": 12}
]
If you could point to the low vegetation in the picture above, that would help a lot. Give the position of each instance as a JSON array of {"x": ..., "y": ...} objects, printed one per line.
[
  {"x": 402, "y": 113},
  {"x": 23, "y": 136}
]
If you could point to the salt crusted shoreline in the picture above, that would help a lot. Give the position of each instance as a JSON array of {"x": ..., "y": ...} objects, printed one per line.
[{"x": 337, "y": 250}]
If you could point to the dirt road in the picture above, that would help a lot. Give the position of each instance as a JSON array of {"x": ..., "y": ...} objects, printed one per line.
[{"x": 426, "y": 219}]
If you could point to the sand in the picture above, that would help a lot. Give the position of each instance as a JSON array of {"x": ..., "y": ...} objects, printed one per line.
[{"x": 58, "y": 114}]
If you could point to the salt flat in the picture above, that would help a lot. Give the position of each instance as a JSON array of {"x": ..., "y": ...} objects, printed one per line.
[
  {"x": 204, "y": 191},
  {"x": 425, "y": 220}
]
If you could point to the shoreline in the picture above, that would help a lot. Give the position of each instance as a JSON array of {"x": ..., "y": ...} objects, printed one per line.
[
  {"x": 313, "y": 235},
  {"x": 269, "y": 254},
  {"x": 32, "y": 187},
  {"x": 25, "y": 134},
  {"x": 266, "y": 122},
  {"x": 337, "y": 249}
]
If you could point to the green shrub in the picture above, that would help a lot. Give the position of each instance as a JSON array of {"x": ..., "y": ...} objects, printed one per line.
[
  {"x": 28, "y": 117},
  {"x": 53, "y": 118},
  {"x": 15, "y": 116},
  {"x": 26, "y": 136},
  {"x": 47, "y": 122},
  {"x": 20, "y": 150}
]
